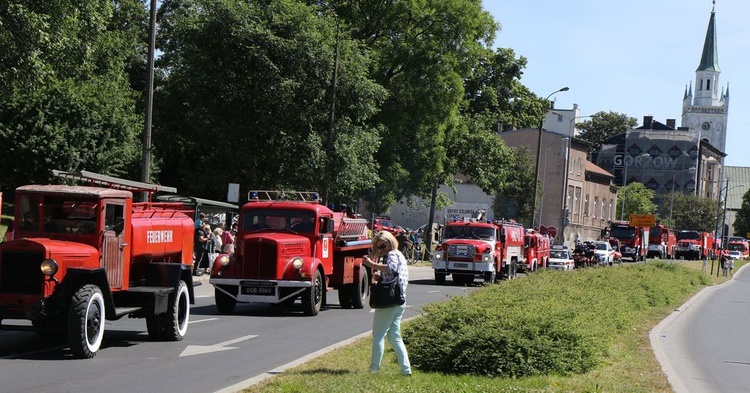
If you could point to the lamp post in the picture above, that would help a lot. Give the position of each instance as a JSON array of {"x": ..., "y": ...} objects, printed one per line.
[
  {"x": 544, "y": 176},
  {"x": 671, "y": 199},
  {"x": 539, "y": 156},
  {"x": 625, "y": 181}
]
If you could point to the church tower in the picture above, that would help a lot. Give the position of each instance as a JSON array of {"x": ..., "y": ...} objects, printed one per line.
[{"x": 706, "y": 113}]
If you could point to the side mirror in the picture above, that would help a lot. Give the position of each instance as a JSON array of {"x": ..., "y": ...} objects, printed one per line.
[{"x": 327, "y": 225}]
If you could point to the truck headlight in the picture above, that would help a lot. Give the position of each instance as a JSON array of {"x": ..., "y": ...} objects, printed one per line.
[
  {"x": 224, "y": 260},
  {"x": 486, "y": 258},
  {"x": 49, "y": 267},
  {"x": 438, "y": 255},
  {"x": 297, "y": 263}
]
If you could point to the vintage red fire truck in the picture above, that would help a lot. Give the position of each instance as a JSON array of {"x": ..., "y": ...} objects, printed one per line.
[
  {"x": 536, "y": 251},
  {"x": 739, "y": 244},
  {"x": 470, "y": 248},
  {"x": 82, "y": 255},
  {"x": 633, "y": 240},
  {"x": 289, "y": 246},
  {"x": 694, "y": 245},
  {"x": 662, "y": 242}
]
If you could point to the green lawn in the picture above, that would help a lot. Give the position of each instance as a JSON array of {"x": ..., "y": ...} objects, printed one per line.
[{"x": 627, "y": 363}]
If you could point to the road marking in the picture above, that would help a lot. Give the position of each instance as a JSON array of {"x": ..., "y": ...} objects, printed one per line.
[
  {"x": 222, "y": 346},
  {"x": 438, "y": 291},
  {"x": 204, "y": 320}
]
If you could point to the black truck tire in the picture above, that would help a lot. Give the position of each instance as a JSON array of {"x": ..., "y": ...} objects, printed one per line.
[
  {"x": 86, "y": 322},
  {"x": 312, "y": 298},
  {"x": 439, "y": 278},
  {"x": 360, "y": 291},
  {"x": 225, "y": 303},
  {"x": 171, "y": 325}
]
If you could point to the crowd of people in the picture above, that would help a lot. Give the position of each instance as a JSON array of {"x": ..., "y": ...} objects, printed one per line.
[{"x": 208, "y": 243}]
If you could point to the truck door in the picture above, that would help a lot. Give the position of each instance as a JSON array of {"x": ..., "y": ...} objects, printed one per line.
[{"x": 113, "y": 242}]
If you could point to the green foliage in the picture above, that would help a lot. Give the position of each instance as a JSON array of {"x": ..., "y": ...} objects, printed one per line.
[
  {"x": 65, "y": 96},
  {"x": 257, "y": 76},
  {"x": 604, "y": 125},
  {"x": 548, "y": 323},
  {"x": 742, "y": 219},
  {"x": 692, "y": 212},
  {"x": 512, "y": 202},
  {"x": 638, "y": 200}
]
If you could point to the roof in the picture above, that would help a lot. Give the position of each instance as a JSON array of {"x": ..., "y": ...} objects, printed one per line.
[
  {"x": 591, "y": 167},
  {"x": 97, "y": 192},
  {"x": 710, "y": 55},
  {"x": 739, "y": 184}
]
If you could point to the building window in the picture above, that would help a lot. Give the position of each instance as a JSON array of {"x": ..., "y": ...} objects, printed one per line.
[
  {"x": 586, "y": 206},
  {"x": 701, "y": 86},
  {"x": 596, "y": 205},
  {"x": 577, "y": 201},
  {"x": 601, "y": 214},
  {"x": 708, "y": 84},
  {"x": 611, "y": 210}
]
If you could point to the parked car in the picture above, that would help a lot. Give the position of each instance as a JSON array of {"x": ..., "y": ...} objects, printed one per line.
[
  {"x": 604, "y": 253},
  {"x": 384, "y": 224},
  {"x": 735, "y": 254},
  {"x": 561, "y": 259}
]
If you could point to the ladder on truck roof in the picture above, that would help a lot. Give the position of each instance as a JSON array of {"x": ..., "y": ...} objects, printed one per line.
[
  {"x": 352, "y": 231},
  {"x": 93, "y": 178},
  {"x": 281, "y": 195}
]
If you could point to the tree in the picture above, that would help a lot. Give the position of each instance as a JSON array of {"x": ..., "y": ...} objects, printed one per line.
[
  {"x": 65, "y": 96},
  {"x": 742, "y": 220},
  {"x": 512, "y": 200},
  {"x": 604, "y": 125},
  {"x": 692, "y": 212},
  {"x": 638, "y": 200},
  {"x": 247, "y": 98}
]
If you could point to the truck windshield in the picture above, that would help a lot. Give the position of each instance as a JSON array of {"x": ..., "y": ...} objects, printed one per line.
[
  {"x": 60, "y": 214},
  {"x": 559, "y": 254},
  {"x": 688, "y": 235},
  {"x": 622, "y": 232},
  {"x": 655, "y": 232},
  {"x": 736, "y": 247},
  {"x": 469, "y": 232},
  {"x": 272, "y": 219}
]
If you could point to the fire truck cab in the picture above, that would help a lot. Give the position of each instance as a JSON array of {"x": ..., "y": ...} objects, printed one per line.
[
  {"x": 478, "y": 248},
  {"x": 82, "y": 255},
  {"x": 288, "y": 247}
]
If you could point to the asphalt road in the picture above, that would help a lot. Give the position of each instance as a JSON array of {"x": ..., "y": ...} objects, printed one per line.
[
  {"x": 219, "y": 352},
  {"x": 703, "y": 346}
]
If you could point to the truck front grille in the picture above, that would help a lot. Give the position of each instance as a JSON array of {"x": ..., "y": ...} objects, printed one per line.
[
  {"x": 20, "y": 273},
  {"x": 260, "y": 259}
]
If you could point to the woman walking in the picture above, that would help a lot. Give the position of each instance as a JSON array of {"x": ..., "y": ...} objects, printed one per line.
[{"x": 387, "y": 321}]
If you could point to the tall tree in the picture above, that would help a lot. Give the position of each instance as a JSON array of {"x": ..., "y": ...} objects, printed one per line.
[
  {"x": 637, "y": 200},
  {"x": 247, "y": 98},
  {"x": 422, "y": 60},
  {"x": 742, "y": 220},
  {"x": 65, "y": 95},
  {"x": 511, "y": 202},
  {"x": 691, "y": 212},
  {"x": 604, "y": 125}
]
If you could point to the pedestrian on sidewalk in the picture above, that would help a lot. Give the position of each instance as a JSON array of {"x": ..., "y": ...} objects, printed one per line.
[
  {"x": 724, "y": 264},
  {"x": 705, "y": 263},
  {"x": 731, "y": 267}
]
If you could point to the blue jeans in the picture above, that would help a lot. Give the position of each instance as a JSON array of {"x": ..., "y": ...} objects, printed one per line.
[{"x": 387, "y": 322}]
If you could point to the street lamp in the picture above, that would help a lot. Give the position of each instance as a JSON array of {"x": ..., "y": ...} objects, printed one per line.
[
  {"x": 539, "y": 155},
  {"x": 544, "y": 176},
  {"x": 671, "y": 200},
  {"x": 625, "y": 181}
]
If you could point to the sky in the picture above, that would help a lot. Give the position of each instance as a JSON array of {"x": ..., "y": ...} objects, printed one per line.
[{"x": 630, "y": 56}]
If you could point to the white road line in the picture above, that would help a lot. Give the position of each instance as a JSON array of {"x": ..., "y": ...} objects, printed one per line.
[{"x": 204, "y": 320}]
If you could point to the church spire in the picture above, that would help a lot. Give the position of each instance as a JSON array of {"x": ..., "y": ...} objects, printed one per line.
[{"x": 710, "y": 56}]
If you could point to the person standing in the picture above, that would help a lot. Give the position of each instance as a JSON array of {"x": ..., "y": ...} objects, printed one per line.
[
  {"x": 724, "y": 264},
  {"x": 387, "y": 321},
  {"x": 730, "y": 261},
  {"x": 705, "y": 263},
  {"x": 200, "y": 249}
]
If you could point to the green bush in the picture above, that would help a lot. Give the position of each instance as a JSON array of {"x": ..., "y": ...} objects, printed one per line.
[{"x": 548, "y": 323}]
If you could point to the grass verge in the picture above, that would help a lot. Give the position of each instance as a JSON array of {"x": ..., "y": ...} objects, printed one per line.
[{"x": 627, "y": 363}]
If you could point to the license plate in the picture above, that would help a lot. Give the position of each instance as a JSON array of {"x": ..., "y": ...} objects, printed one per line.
[
  {"x": 261, "y": 291},
  {"x": 460, "y": 265}
]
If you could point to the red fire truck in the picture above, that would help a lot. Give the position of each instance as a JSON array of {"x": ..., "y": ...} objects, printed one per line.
[
  {"x": 472, "y": 248},
  {"x": 694, "y": 244},
  {"x": 289, "y": 246},
  {"x": 536, "y": 251},
  {"x": 82, "y": 255},
  {"x": 661, "y": 242},
  {"x": 739, "y": 244},
  {"x": 633, "y": 240}
]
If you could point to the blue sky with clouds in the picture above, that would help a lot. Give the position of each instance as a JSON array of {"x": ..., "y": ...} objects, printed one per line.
[{"x": 630, "y": 56}]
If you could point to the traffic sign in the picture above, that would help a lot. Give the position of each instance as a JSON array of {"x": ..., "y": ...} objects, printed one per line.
[{"x": 642, "y": 220}]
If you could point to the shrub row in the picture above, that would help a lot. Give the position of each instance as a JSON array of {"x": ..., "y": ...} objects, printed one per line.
[{"x": 547, "y": 323}]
